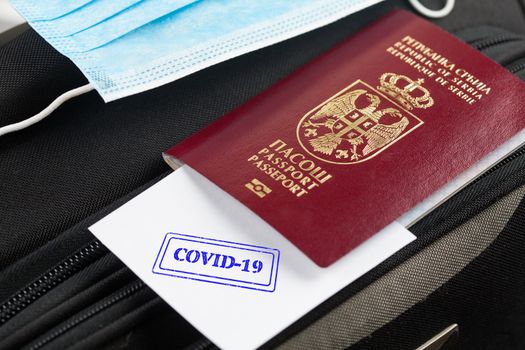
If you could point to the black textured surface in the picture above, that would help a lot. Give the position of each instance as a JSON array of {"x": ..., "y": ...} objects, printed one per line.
[
  {"x": 89, "y": 155},
  {"x": 486, "y": 299}
]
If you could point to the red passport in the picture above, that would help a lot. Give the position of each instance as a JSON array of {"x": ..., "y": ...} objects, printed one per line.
[{"x": 351, "y": 141}]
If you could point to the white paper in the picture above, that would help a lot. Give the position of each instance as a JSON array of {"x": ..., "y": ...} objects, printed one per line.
[{"x": 231, "y": 317}]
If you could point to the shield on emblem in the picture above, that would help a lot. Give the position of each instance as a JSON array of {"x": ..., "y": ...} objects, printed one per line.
[{"x": 354, "y": 125}]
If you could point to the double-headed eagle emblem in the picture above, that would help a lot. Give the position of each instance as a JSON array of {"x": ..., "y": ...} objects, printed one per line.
[{"x": 358, "y": 123}]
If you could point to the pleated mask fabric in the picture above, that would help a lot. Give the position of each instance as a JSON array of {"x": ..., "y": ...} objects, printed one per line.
[{"x": 125, "y": 47}]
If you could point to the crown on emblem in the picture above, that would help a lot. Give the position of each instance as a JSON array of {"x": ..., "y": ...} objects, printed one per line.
[{"x": 406, "y": 91}]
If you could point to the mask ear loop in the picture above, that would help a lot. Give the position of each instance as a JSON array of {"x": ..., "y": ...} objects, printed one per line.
[
  {"x": 445, "y": 11},
  {"x": 425, "y": 11},
  {"x": 47, "y": 111}
]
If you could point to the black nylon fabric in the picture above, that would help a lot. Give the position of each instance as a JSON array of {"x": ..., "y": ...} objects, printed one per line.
[
  {"x": 411, "y": 281},
  {"x": 88, "y": 155},
  {"x": 486, "y": 300},
  {"x": 80, "y": 291},
  {"x": 443, "y": 219},
  {"x": 77, "y": 295},
  {"x": 32, "y": 74},
  {"x": 463, "y": 206}
]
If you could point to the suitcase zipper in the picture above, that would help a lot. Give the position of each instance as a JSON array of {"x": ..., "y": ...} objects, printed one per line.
[
  {"x": 517, "y": 68},
  {"x": 516, "y": 154},
  {"x": 485, "y": 43},
  {"x": 50, "y": 279},
  {"x": 338, "y": 298},
  {"x": 95, "y": 249},
  {"x": 123, "y": 294},
  {"x": 481, "y": 45},
  {"x": 332, "y": 302}
]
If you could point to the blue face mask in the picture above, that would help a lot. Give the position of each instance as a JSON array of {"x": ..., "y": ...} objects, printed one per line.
[
  {"x": 102, "y": 21},
  {"x": 81, "y": 18},
  {"x": 128, "y": 46},
  {"x": 53, "y": 9}
]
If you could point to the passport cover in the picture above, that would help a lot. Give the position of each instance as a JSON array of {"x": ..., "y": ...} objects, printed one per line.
[{"x": 348, "y": 143}]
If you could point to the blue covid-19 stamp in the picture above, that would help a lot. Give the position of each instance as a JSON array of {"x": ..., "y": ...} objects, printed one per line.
[{"x": 215, "y": 261}]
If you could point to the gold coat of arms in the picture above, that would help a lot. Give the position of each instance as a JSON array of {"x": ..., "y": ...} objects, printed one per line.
[{"x": 360, "y": 121}]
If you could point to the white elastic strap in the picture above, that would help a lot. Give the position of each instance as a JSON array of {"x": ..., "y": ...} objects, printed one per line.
[
  {"x": 425, "y": 11},
  {"x": 47, "y": 111}
]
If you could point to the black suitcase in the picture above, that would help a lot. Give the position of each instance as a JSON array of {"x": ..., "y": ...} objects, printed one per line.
[{"x": 61, "y": 288}]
